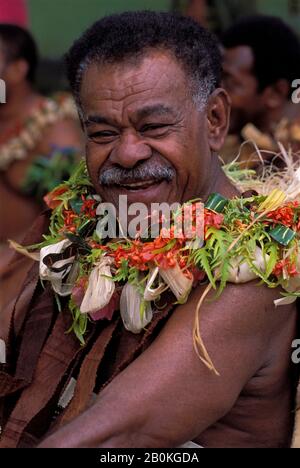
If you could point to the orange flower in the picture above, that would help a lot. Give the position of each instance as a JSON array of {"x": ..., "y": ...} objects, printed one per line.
[{"x": 51, "y": 199}]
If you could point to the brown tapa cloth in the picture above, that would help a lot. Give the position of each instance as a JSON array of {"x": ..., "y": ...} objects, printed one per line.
[{"x": 42, "y": 357}]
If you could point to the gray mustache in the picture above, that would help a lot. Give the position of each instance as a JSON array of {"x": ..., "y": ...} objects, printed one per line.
[{"x": 121, "y": 176}]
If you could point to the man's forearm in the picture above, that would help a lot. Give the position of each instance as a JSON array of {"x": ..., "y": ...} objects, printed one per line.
[
  {"x": 110, "y": 422},
  {"x": 96, "y": 427}
]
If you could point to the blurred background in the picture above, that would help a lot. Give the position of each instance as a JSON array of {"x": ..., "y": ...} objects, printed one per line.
[{"x": 56, "y": 23}]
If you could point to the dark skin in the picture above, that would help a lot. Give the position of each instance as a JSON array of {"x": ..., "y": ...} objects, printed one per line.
[
  {"x": 264, "y": 108},
  {"x": 167, "y": 396}
]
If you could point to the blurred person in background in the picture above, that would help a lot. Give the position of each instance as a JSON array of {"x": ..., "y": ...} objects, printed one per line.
[
  {"x": 198, "y": 10},
  {"x": 39, "y": 138},
  {"x": 261, "y": 64},
  {"x": 217, "y": 14}
]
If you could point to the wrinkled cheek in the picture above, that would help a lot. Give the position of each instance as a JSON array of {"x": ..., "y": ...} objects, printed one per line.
[
  {"x": 181, "y": 183},
  {"x": 91, "y": 167},
  {"x": 94, "y": 162}
]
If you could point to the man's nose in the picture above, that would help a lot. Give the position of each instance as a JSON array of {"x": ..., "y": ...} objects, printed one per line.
[{"x": 130, "y": 150}]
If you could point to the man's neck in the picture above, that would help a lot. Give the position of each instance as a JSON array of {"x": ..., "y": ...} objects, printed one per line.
[
  {"x": 219, "y": 182},
  {"x": 19, "y": 103}
]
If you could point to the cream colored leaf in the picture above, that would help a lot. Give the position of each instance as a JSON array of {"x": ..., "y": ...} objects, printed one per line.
[
  {"x": 151, "y": 294},
  {"x": 240, "y": 272},
  {"x": 100, "y": 289},
  {"x": 131, "y": 304},
  {"x": 179, "y": 284}
]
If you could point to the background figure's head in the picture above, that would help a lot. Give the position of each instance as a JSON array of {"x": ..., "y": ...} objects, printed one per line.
[
  {"x": 261, "y": 60},
  {"x": 147, "y": 89},
  {"x": 18, "y": 57}
]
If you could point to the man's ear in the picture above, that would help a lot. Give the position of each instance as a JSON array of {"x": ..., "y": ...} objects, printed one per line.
[
  {"x": 275, "y": 95},
  {"x": 218, "y": 116}
]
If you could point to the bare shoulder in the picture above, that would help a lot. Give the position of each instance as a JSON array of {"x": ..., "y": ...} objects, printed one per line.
[{"x": 242, "y": 311}]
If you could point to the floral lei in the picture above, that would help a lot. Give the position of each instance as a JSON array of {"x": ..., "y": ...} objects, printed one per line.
[
  {"x": 18, "y": 142},
  {"x": 245, "y": 238}
]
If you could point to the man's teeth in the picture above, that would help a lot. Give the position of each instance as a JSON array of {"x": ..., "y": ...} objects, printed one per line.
[{"x": 143, "y": 184}]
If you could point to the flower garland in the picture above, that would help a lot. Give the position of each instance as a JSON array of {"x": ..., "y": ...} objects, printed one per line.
[
  {"x": 245, "y": 238},
  {"x": 21, "y": 140}
]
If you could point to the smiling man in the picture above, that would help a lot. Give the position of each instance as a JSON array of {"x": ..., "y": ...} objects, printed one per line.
[{"x": 147, "y": 89}]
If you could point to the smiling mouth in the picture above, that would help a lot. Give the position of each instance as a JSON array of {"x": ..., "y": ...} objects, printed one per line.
[{"x": 135, "y": 186}]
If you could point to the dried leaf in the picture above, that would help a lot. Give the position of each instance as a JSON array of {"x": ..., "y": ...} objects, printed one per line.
[
  {"x": 100, "y": 288},
  {"x": 23, "y": 251},
  {"x": 179, "y": 284},
  {"x": 136, "y": 313},
  {"x": 151, "y": 294}
]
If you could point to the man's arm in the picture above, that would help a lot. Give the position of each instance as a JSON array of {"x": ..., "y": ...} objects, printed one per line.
[{"x": 167, "y": 396}]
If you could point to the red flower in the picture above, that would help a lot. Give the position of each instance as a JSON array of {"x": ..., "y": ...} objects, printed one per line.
[
  {"x": 285, "y": 266},
  {"x": 69, "y": 221},
  {"x": 212, "y": 219},
  {"x": 88, "y": 207},
  {"x": 95, "y": 245},
  {"x": 284, "y": 215},
  {"x": 51, "y": 199}
]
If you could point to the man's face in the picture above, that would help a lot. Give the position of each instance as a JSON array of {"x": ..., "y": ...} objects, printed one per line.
[
  {"x": 242, "y": 87},
  {"x": 145, "y": 137}
]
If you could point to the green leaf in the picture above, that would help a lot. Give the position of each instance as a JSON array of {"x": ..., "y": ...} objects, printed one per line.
[
  {"x": 202, "y": 260},
  {"x": 283, "y": 235},
  {"x": 216, "y": 203}
]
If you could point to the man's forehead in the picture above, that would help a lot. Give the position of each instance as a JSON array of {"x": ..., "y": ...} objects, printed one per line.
[
  {"x": 135, "y": 114},
  {"x": 157, "y": 72}
]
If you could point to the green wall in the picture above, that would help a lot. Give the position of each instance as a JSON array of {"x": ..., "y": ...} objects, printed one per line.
[
  {"x": 288, "y": 10},
  {"x": 56, "y": 23}
]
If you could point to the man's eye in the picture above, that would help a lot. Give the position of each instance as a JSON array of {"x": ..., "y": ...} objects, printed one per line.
[
  {"x": 155, "y": 129},
  {"x": 105, "y": 136}
]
